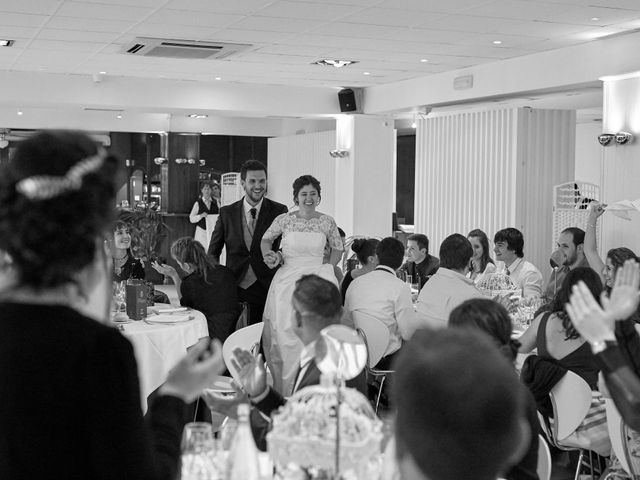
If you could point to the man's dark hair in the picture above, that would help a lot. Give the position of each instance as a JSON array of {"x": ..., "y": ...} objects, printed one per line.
[
  {"x": 390, "y": 252},
  {"x": 251, "y": 165},
  {"x": 577, "y": 235},
  {"x": 459, "y": 405},
  {"x": 514, "y": 239},
  {"x": 318, "y": 296},
  {"x": 421, "y": 239},
  {"x": 455, "y": 252}
]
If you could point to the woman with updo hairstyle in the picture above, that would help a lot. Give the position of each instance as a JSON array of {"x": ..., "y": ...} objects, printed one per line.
[
  {"x": 365, "y": 250},
  {"x": 207, "y": 287},
  {"x": 491, "y": 318},
  {"x": 71, "y": 404},
  {"x": 305, "y": 232}
]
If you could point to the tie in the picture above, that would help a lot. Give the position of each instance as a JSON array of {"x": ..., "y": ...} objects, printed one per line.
[
  {"x": 506, "y": 269},
  {"x": 253, "y": 212}
]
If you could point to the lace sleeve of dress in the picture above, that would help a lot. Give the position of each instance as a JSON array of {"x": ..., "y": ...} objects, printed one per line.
[
  {"x": 276, "y": 228},
  {"x": 333, "y": 235}
]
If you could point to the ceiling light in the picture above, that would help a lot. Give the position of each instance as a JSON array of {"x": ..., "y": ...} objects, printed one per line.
[
  {"x": 594, "y": 19},
  {"x": 414, "y": 125},
  {"x": 6, "y": 43},
  {"x": 497, "y": 42},
  {"x": 327, "y": 62},
  {"x": 103, "y": 73},
  {"x": 218, "y": 78},
  {"x": 197, "y": 115},
  {"x": 119, "y": 116},
  {"x": 424, "y": 60},
  {"x": 20, "y": 112},
  {"x": 366, "y": 73}
]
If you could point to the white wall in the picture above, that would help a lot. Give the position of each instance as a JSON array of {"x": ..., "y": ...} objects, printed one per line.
[{"x": 588, "y": 153}]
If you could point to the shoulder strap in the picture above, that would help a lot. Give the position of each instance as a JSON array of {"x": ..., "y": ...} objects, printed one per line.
[{"x": 541, "y": 337}]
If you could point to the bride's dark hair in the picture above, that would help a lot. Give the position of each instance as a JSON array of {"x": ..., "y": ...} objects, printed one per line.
[
  {"x": 52, "y": 214},
  {"x": 303, "y": 181}
]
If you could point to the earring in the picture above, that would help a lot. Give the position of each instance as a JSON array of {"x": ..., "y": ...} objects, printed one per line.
[
  {"x": 318, "y": 203},
  {"x": 295, "y": 201}
]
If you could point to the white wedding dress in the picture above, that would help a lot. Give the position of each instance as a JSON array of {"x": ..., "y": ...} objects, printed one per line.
[{"x": 303, "y": 242}]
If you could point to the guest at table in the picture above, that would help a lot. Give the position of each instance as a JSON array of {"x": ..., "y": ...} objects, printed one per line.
[
  {"x": 487, "y": 316},
  {"x": 568, "y": 255},
  {"x": 509, "y": 244},
  {"x": 481, "y": 261},
  {"x": 449, "y": 287},
  {"x": 205, "y": 205},
  {"x": 207, "y": 286},
  {"x": 71, "y": 403},
  {"x": 125, "y": 265},
  {"x": 460, "y": 409},
  {"x": 365, "y": 250},
  {"x": 420, "y": 265}
]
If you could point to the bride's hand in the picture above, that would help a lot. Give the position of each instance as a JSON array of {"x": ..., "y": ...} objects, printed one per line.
[{"x": 271, "y": 259}]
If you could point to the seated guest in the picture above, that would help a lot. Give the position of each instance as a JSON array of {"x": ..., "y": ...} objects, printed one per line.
[
  {"x": 384, "y": 296},
  {"x": 487, "y": 316},
  {"x": 420, "y": 265},
  {"x": 71, "y": 404},
  {"x": 207, "y": 287},
  {"x": 449, "y": 287},
  {"x": 125, "y": 265},
  {"x": 481, "y": 261},
  {"x": 509, "y": 243},
  {"x": 569, "y": 255},
  {"x": 365, "y": 250},
  {"x": 316, "y": 303},
  {"x": 460, "y": 408}
]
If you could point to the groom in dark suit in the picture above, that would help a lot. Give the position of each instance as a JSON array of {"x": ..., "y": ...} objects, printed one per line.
[{"x": 240, "y": 227}]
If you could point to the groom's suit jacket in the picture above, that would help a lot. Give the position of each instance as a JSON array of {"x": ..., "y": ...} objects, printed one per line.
[{"x": 229, "y": 232}]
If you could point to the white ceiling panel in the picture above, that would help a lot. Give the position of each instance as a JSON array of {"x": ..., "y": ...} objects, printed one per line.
[
  {"x": 65, "y": 46},
  {"x": 89, "y": 24},
  {"x": 541, "y": 29},
  {"x": 40, "y": 7},
  {"x": 244, "y": 7},
  {"x": 520, "y": 9},
  {"x": 249, "y": 36},
  {"x": 355, "y": 30},
  {"x": 76, "y": 36},
  {"x": 470, "y": 23},
  {"x": 604, "y": 16},
  {"x": 102, "y": 11},
  {"x": 13, "y": 33},
  {"x": 446, "y": 6},
  {"x": 318, "y": 11},
  {"x": 22, "y": 20},
  {"x": 159, "y": 30},
  {"x": 361, "y": 3},
  {"x": 272, "y": 24},
  {"x": 393, "y": 17},
  {"x": 135, "y": 3},
  {"x": 295, "y": 50},
  {"x": 191, "y": 18}
]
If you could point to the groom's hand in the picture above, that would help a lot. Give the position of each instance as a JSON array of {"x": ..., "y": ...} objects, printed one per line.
[{"x": 271, "y": 259}]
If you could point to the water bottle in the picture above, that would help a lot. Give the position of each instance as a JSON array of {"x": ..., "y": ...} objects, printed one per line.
[{"x": 243, "y": 456}]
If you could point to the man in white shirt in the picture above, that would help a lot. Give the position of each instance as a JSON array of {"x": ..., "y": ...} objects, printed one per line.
[
  {"x": 509, "y": 244},
  {"x": 384, "y": 296},
  {"x": 449, "y": 286}
]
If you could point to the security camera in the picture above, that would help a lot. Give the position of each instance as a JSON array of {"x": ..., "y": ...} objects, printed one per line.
[
  {"x": 623, "y": 137},
  {"x": 605, "y": 138}
]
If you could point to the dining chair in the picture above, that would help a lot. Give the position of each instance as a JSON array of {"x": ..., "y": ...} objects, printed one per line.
[
  {"x": 618, "y": 435},
  {"x": 544, "y": 459},
  {"x": 376, "y": 338},
  {"x": 247, "y": 338}
]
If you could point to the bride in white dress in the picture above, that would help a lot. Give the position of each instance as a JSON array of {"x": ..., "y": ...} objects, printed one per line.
[{"x": 305, "y": 232}]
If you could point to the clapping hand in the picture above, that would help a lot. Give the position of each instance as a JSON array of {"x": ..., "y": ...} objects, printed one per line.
[
  {"x": 226, "y": 404},
  {"x": 625, "y": 294},
  {"x": 164, "y": 269},
  {"x": 593, "y": 323},
  {"x": 596, "y": 209},
  {"x": 271, "y": 259},
  {"x": 251, "y": 370}
]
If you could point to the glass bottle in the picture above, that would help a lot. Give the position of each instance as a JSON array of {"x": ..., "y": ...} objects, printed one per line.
[{"x": 243, "y": 456}]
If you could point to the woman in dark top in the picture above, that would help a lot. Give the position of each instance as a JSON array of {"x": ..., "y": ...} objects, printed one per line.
[
  {"x": 365, "y": 250},
  {"x": 207, "y": 287},
  {"x": 493, "y": 319},
  {"x": 125, "y": 265},
  {"x": 555, "y": 337},
  {"x": 70, "y": 398}
]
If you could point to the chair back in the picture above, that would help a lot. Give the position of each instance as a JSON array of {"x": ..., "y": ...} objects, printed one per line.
[
  {"x": 571, "y": 400},
  {"x": 544, "y": 459},
  {"x": 376, "y": 335},
  {"x": 245, "y": 338},
  {"x": 616, "y": 428}
]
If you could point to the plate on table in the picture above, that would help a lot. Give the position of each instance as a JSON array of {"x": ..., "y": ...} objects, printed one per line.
[
  {"x": 167, "y": 319},
  {"x": 171, "y": 309},
  {"x": 221, "y": 385}
]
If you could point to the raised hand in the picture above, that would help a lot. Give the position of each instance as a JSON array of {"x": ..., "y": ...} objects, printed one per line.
[
  {"x": 596, "y": 209},
  {"x": 251, "y": 370},
  {"x": 625, "y": 295},
  {"x": 593, "y": 323},
  {"x": 226, "y": 404},
  {"x": 164, "y": 269}
]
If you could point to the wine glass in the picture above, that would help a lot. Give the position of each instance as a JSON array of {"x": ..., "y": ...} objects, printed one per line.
[
  {"x": 199, "y": 453},
  {"x": 120, "y": 296}
]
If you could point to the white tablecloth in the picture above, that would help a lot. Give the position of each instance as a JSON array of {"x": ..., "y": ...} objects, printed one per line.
[{"x": 159, "y": 347}]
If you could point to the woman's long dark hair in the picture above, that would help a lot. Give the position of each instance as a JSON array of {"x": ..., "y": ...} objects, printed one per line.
[
  {"x": 485, "y": 259},
  {"x": 187, "y": 250},
  {"x": 557, "y": 306}
]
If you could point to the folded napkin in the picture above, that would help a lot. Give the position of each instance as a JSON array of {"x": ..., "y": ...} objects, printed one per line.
[
  {"x": 169, "y": 318},
  {"x": 623, "y": 207}
]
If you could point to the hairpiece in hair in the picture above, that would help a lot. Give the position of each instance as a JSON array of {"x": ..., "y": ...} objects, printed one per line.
[{"x": 44, "y": 187}]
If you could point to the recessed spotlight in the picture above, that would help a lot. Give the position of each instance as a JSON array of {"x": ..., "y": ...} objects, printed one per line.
[
  {"x": 424, "y": 60},
  {"x": 197, "y": 115},
  {"x": 20, "y": 112},
  {"x": 6, "y": 43},
  {"x": 497, "y": 42},
  {"x": 218, "y": 78},
  {"x": 366, "y": 73},
  {"x": 103, "y": 73},
  {"x": 594, "y": 19},
  {"x": 414, "y": 125},
  {"x": 328, "y": 62},
  {"x": 119, "y": 116}
]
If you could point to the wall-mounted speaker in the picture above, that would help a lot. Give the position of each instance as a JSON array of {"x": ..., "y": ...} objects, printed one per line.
[{"x": 350, "y": 100}]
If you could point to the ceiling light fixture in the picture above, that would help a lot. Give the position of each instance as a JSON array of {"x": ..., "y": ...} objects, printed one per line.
[
  {"x": 119, "y": 116},
  {"x": 103, "y": 73},
  {"x": 327, "y": 62},
  {"x": 197, "y": 115},
  {"x": 6, "y": 43},
  {"x": 594, "y": 19},
  {"x": 218, "y": 78},
  {"x": 20, "y": 112},
  {"x": 366, "y": 73},
  {"x": 497, "y": 42},
  {"x": 424, "y": 60}
]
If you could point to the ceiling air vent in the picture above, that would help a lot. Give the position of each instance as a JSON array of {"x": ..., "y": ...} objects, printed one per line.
[{"x": 171, "y": 48}]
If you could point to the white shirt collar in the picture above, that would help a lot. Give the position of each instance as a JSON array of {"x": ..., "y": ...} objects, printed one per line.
[
  {"x": 308, "y": 353},
  {"x": 515, "y": 264},
  {"x": 384, "y": 267},
  {"x": 248, "y": 206}
]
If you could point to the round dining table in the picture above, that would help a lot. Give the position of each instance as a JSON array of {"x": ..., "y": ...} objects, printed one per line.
[{"x": 159, "y": 346}]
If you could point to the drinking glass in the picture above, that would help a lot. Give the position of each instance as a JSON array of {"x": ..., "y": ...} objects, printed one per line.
[
  {"x": 199, "y": 453},
  {"x": 120, "y": 296}
]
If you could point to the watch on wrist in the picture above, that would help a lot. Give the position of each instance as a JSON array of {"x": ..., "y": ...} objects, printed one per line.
[{"x": 600, "y": 346}]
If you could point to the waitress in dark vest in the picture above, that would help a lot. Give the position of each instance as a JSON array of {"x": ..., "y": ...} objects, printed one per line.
[{"x": 206, "y": 205}]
